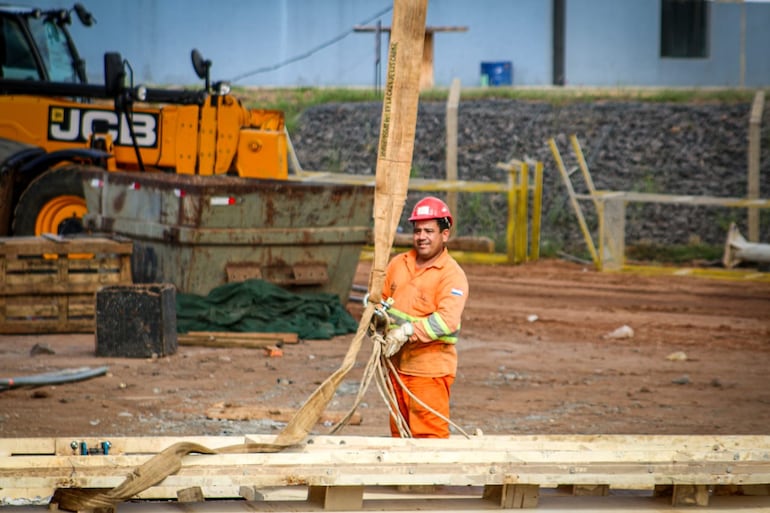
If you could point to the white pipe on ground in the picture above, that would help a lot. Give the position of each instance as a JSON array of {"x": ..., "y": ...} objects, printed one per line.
[{"x": 738, "y": 249}]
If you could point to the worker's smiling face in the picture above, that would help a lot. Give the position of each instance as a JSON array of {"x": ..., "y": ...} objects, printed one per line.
[{"x": 428, "y": 240}]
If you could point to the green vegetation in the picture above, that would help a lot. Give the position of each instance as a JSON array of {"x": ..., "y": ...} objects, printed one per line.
[
  {"x": 674, "y": 254},
  {"x": 292, "y": 101}
]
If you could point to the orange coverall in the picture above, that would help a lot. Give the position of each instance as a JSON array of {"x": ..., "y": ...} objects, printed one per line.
[{"x": 432, "y": 299}]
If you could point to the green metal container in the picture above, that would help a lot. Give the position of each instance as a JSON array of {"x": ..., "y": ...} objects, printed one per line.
[{"x": 200, "y": 232}]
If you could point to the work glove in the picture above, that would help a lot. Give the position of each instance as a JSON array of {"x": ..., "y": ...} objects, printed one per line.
[{"x": 396, "y": 338}]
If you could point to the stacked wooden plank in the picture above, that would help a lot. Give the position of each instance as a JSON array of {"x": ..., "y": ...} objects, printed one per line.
[
  {"x": 48, "y": 284},
  {"x": 253, "y": 340},
  {"x": 341, "y": 472}
]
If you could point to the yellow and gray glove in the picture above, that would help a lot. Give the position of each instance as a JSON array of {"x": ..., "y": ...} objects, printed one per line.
[{"x": 396, "y": 338}]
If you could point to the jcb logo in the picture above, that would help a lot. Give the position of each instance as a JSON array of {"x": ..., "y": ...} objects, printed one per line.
[{"x": 77, "y": 125}]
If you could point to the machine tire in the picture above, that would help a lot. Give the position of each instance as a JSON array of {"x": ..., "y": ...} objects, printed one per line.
[{"x": 59, "y": 194}]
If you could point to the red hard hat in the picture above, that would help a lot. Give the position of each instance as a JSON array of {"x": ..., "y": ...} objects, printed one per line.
[{"x": 431, "y": 208}]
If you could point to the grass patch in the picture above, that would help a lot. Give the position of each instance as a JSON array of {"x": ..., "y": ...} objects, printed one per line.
[
  {"x": 695, "y": 254},
  {"x": 294, "y": 100}
]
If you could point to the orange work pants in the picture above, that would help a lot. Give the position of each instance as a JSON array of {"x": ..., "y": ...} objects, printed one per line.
[{"x": 434, "y": 392}]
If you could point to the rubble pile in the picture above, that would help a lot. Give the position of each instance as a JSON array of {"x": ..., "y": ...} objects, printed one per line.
[{"x": 667, "y": 148}]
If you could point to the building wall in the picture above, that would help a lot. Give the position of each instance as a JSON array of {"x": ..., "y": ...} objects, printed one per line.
[{"x": 608, "y": 42}]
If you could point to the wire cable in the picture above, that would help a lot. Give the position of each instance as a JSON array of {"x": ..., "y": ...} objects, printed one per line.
[{"x": 310, "y": 52}]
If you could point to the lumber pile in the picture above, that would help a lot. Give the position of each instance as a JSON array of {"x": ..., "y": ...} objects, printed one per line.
[
  {"x": 342, "y": 472},
  {"x": 48, "y": 284}
]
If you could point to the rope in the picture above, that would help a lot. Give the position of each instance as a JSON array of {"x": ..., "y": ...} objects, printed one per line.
[{"x": 382, "y": 369}]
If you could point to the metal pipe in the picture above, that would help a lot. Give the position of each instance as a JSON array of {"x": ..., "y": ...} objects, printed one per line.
[
  {"x": 738, "y": 249},
  {"x": 53, "y": 378}
]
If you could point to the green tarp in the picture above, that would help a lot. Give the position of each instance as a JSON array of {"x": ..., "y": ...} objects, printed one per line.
[{"x": 259, "y": 306}]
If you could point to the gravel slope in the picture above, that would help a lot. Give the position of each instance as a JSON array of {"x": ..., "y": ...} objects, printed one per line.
[{"x": 693, "y": 149}]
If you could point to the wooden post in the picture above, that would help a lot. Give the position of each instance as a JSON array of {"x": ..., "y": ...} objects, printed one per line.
[
  {"x": 426, "y": 73},
  {"x": 341, "y": 498},
  {"x": 451, "y": 145},
  {"x": 575, "y": 205},
  {"x": 755, "y": 122}
]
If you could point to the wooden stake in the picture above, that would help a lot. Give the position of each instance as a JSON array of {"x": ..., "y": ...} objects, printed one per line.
[{"x": 452, "y": 105}]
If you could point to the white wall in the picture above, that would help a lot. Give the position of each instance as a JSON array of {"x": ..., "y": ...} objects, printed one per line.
[{"x": 608, "y": 42}]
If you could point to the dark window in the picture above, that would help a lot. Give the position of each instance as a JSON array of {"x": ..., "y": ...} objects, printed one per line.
[
  {"x": 16, "y": 58},
  {"x": 684, "y": 28}
]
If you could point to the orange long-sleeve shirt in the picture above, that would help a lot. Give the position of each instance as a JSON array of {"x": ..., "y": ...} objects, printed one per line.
[{"x": 432, "y": 299}]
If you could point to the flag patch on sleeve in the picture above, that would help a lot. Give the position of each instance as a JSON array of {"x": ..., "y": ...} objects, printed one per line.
[{"x": 457, "y": 292}]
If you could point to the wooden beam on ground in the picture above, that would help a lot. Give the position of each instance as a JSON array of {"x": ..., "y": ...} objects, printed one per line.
[
  {"x": 285, "y": 337},
  {"x": 251, "y": 340},
  {"x": 251, "y": 412}
]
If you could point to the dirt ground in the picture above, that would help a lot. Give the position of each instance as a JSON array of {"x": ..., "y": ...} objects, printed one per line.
[{"x": 535, "y": 357}]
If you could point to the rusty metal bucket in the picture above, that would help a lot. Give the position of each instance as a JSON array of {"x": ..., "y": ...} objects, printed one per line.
[{"x": 201, "y": 232}]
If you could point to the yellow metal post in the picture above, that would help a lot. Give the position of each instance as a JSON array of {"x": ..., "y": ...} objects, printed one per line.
[
  {"x": 537, "y": 207},
  {"x": 522, "y": 192},
  {"x": 511, "y": 224}
]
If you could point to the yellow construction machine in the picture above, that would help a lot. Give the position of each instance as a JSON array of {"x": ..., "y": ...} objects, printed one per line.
[
  {"x": 140, "y": 163},
  {"x": 53, "y": 125}
]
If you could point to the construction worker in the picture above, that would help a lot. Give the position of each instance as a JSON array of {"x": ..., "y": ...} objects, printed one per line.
[{"x": 427, "y": 290}]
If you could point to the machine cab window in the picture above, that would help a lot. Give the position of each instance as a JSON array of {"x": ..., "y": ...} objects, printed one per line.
[
  {"x": 35, "y": 46},
  {"x": 54, "y": 51},
  {"x": 17, "y": 59}
]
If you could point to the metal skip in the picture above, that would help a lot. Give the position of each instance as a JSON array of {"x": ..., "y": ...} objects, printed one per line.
[{"x": 201, "y": 232}]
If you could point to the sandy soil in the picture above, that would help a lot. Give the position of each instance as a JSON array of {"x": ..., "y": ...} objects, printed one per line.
[{"x": 535, "y": 357}]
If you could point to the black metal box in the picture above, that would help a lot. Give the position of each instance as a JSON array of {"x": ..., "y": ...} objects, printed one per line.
[{"x": 136, "y": 321}]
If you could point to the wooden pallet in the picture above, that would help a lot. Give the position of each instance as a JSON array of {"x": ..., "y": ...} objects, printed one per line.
[
  {"x": 48, "y": 284},
  {"x": 341, "y": 473}
]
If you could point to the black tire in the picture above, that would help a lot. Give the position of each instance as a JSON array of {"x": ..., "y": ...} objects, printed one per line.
[{"x": 62, "y": 181}]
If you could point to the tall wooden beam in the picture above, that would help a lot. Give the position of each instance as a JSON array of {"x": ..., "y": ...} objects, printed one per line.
[{"x": 398, "y": 125}]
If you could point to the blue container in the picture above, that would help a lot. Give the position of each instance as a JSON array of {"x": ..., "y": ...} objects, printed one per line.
[{"x": 496, "y": 73}]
